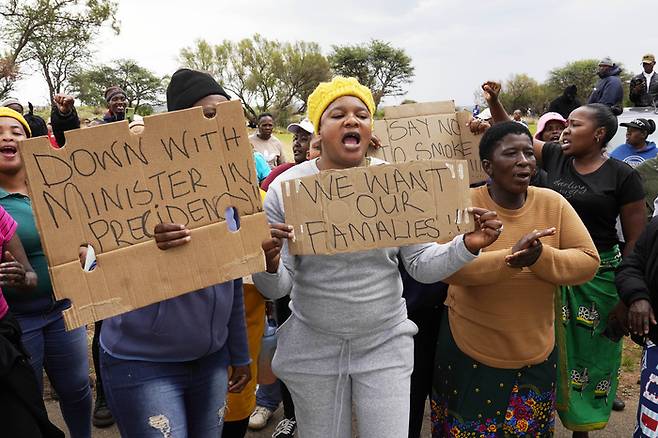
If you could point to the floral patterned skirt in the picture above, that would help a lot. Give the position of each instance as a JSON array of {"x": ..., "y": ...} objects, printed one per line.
[{"x": 470, "y": 399}]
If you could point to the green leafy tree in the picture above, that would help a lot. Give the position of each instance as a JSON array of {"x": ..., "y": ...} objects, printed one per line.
[
  {"x": 580, "y": 73},
  {"x": 522, "y": 92},
  {"x": 54, "y": 35},
  {"x": 266, "y": 75},
  {"x": 143, "y": 88},
  {"x": 381, "y": 67}
]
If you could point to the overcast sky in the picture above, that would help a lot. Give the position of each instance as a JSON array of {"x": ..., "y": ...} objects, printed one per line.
[{"x": 454, "y": 45}]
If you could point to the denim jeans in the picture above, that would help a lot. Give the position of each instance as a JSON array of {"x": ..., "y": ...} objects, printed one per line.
[
  {"x": 167, "y": 399},
  {"x": 269, "y": 396},
  {"x": 64, "y": 357}
]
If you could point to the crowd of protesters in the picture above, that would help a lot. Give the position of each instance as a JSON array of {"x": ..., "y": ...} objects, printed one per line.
[{"x": 502, "y": 328}]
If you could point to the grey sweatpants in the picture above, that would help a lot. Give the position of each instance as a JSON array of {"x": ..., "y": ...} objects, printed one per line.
[{"x": 326, "y": 374}]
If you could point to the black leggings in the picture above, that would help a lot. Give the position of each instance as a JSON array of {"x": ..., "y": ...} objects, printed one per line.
[{"x": 235, "y": 429}]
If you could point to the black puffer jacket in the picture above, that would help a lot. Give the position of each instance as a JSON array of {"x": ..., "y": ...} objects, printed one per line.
[{"x": 637, "y": 276}]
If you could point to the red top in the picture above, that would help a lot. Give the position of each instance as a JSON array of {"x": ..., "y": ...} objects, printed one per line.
[{"x": 278, "y": 170}]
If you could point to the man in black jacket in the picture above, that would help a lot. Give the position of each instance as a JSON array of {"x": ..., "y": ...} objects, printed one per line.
[{"x": 644, "y": 87}]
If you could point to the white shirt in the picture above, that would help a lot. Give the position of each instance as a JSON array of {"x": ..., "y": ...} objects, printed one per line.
[{"x": 648, "y": 76}]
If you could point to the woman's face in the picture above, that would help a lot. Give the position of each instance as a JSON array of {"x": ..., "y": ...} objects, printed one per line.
[
  {"x": 512, "y": 163},
  {"x": 579, "y": 137},
  {"x": 11, "y": 132},
  {"x": 636, "y": 137},
  {"x": 346, "y": 130},
  {"x": 552, "y": 130}
]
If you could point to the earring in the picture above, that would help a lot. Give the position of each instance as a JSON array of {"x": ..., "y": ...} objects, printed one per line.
[{"x": 597, "y": 139}]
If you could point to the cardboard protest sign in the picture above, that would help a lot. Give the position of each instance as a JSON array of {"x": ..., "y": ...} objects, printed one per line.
[
  {"x": 382, "y": 206},
  {"x": 428, "y": 131},
  {"x": 109, "y": 188}
]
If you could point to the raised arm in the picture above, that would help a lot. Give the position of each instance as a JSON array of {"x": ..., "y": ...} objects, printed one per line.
[
  {"x": 491, "y": 91},
  {"x": 63, "y": 117}
]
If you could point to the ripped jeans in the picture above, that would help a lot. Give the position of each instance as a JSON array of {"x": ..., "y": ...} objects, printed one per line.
[{"x": 167, "y": 399}]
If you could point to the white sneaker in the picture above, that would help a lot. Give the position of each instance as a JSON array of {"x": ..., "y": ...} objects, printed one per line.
[{"x": 259, "y": 418}]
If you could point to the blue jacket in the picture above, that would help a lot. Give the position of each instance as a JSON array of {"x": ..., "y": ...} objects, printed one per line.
[
  {"x": 629, "y": 155},
  {"x": 182, "y": 329},
  {"x": 608, "y": 90}
]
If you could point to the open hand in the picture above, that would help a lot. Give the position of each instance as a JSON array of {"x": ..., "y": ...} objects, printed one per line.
[
  {"x": 272, "y": 246},
  {"x": 487, "y": 232}
]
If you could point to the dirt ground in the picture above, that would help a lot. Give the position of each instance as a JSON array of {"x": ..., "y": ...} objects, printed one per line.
[{"x": 621, "y": 423}]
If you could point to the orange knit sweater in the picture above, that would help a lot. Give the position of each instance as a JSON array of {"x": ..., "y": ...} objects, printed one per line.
[{"x": 503, "y": 316}]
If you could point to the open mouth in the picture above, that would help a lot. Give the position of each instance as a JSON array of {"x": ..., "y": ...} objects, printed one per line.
[
  {"x": 352, "y": 140},
  {"x": 8, "y": 151},
  {"x": 523, "y": 176}
]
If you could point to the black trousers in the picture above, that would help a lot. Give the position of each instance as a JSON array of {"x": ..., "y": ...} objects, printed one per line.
[{"x": 428, "y": 320}]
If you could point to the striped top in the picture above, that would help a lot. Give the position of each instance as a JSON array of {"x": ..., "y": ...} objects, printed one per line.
[{"x": 7, "y": 230}]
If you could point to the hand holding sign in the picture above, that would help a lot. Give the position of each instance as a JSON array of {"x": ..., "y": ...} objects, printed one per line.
[
  {"x": 478, "y": 126},
  {"x": 487, "y": 232},
  {"x": 272, "y": 247},
  {"x": 491, "y": 91},
  {"x": 171, "y": 235}
]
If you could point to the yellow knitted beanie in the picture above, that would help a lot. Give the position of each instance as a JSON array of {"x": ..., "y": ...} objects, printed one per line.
[
  {"x": 8, "y": 112},
  {"x": 327, "y": 92}
]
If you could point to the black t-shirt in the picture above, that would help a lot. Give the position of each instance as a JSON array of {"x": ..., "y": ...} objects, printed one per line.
[{"x": 598, "y": 196}]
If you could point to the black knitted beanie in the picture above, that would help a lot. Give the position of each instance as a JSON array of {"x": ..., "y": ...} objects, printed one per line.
[{"x": 189, "y": 86}]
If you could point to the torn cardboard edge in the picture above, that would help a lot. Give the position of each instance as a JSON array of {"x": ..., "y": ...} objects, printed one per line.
[
  {"x": 139, "y": 274},
  {"x": 464, "y": 143}
]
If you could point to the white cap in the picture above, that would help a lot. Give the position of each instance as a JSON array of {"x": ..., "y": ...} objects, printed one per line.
[{"x": 305, "y": 125}]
